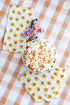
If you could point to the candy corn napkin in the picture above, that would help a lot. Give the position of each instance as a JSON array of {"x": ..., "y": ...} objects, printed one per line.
[
  {"x": 19, "y": 19},
  {"x": 44, "y": 85}
]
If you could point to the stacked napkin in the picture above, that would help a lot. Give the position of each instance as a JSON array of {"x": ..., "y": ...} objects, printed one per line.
[
  {"x": 19, "y": 19},
  {"x": 44, "y": 85}
]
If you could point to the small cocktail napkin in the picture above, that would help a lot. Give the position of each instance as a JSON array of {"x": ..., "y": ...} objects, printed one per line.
[
  {"x": 19, "y": 19},
  {"x": 44, "y": 85}
]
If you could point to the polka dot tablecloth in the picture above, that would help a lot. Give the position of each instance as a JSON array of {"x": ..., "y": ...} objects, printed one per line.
[{"x": 55, "y": 19}]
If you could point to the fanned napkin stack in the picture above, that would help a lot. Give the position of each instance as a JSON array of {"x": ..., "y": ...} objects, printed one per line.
[
  {"x": 19, "y": 19},
  {"x": 43, "y": 85}
]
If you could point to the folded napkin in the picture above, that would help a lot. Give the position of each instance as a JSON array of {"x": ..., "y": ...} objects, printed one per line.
[
  {"x": 19, "y": 19},
  {"x": 44, "y": 85}
]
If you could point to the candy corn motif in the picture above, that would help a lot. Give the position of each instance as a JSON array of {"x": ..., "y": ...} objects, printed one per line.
[
  {"x": 28, "y": 79},
  {"x": 24, "y": 84},
  {"x": 62, "y": 76},
  {"x": 56, "y": 74},
  {"x": 15, "y": 35},
  {"x": 28, "y": 21},
  {"x": 29, "y": 89},
  {"x": 10, "y": 18},
  {"x": 24, "y": 9},
  {"x": 42, "y": 66},
  {"x": 33, "y": 94},
  {"x": 7, "y": 49},
  {"x": 15, "y": 41},
  {"x": 17, "y": 6},
  {"x": 25, "y": 52},
  {"x": 39, "y": 97},
  {"x": 57, "y": 69},
  {"x": 43, "y": 75},
  {"x": 33, "y": 84},
  {"x": 16, "y": 18},
  {"x": 58, "y": 82},
  {"x": 29, "y": 8},
  {"x": 4, "y": 42},
  {"x": 13, "y": 11},
  {"x": 22, "y": 17},
  {"x": 13, "y": 50},
  {"x": 21, "y": 24},
  {"x": 19, "y": 79},
  {"x": 55, "y": 92},
  {"x": 29, "y": 14},
  {"x": 52, "y": 88},
  {"x": 45, "y": 89},
  {"x": 48, "y": 96},
  {"x": 28, "y": 46},
  {"x": 21, "y": 46},
  {"x": 49, "y": 61},
  {"x": 21, "y": 35},
  {"x": 11, "y": 31},
  {"x": 9, "y": 38},
  {"x": 52, "y": 77},
  {"x": 42, "y": 83},
  {"x": 30, "y": 72},
  {"x": 12, "y": 24},
  {"x": 63, "y": 70},
  {"x": 24, "y": 75},
  {"x": 33, "y": 53},
  {"x": 31, "y": 60},
  {"x": 38, "y": 88},
  {"x": 41, "y": 47},
  {"x": 31, "y": 68},
  {"x": 36, "y": 78},
  {"x": 19, "y": 13},
  {"x": 48, "y": 82},
  {"x": 18, "y": 29},
  {"x": 10, "y": 45}
]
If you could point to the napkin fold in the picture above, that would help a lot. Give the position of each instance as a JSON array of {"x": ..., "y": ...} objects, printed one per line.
[
  {"x": 44, "y": 85},
  {"x": 19, "y": 19}
]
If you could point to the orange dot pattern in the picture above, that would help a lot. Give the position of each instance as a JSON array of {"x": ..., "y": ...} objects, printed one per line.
[
  {"x": 43, "y": 85},
  {"x": 19, "y": 19}
]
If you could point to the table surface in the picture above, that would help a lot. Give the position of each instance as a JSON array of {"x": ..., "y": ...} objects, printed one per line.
[{"x": 55, "y": 19}]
